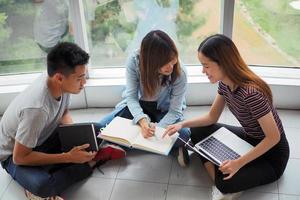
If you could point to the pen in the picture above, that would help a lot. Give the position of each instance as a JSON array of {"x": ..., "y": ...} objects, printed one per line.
[{"x": 151, "y": 126}]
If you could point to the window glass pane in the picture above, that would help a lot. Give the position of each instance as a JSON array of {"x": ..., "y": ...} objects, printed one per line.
[
  {"x": 116, "y": 28},
  {"x": 268, "y": 32},
  {"x": 28, "y": 29}
]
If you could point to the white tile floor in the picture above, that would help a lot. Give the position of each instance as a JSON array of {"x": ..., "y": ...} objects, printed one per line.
[{"x": 149, "y": 176}]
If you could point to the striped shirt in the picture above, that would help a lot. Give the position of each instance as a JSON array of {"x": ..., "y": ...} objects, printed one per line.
[{"x": 248, "y": 104}]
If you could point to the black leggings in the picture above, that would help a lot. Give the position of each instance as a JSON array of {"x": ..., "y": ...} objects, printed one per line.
[
  {"x": 263, "y": 170},
  {"x": 149, "y": 108}
]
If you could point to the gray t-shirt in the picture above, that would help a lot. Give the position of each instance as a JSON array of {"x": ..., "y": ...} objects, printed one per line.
[{"x": 31, "y": 117}]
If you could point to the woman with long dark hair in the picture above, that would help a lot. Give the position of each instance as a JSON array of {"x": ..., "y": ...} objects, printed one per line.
[
  {"x": 250, "y": 100},
  {"x": 155, "y": 89}
]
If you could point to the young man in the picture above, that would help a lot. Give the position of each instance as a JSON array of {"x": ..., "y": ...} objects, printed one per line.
[{"x": 30, "y": 150}]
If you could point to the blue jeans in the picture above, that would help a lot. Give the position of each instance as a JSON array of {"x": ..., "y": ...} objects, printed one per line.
[
  {"x": 47, "y": 180},
  {"x": 149, "y": 108}
]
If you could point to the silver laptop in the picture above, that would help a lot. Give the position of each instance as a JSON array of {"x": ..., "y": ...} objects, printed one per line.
[{"x": 222, "y": 145}]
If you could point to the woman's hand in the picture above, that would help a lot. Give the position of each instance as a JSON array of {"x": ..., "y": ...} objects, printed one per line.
[
  {"x": 171, "y": 129},
  {"x": 148, "y": 128},
  {"x": 230, "y": 167}
]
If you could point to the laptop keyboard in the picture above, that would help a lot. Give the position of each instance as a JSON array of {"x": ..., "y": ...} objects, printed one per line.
[{"x": 218, "y": 149}]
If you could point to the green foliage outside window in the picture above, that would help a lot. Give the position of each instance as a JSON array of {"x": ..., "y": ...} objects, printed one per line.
[
  {"x": 186, "y": 21},
  {"x": 18, "y": 52},
  {"x": 21, "y": 53},
  {"x": 4, "y": 31},
  {"x": 279, "y": 20},
  {"x": 109, "y": 20}
]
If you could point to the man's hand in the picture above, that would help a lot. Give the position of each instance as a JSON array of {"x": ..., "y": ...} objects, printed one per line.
[{"x": 79, "y": 155}]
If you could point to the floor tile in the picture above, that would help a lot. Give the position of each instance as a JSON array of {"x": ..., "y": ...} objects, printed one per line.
[
  {"x": 14, "y": 192},
  {"x": 258, "y": 196},
  {"x": 195, "y": 174},
  {"x": 288, "y": 197},
  {"x": 143, "y": 166},
  {"x": 147, "y": 175},
  {"x": 109, "y": 169},
  {"x": 290, "y": 118},
  {"x": 289, "y": 182},
  {"x": 195, "y": 111},
  {"x": 293, "y": 137},
  {"x": 198, "y": 111},
  {"x": 133, "y": 190},
  {"x": 91, "y": 189},
  {"x": 4, "y": 180},
  {"x": 271, "y": 188},
  {"x": 180, "y": 192}
]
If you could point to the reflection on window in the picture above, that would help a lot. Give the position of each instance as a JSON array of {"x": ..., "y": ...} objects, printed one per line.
[
  {"x": 267, "y": 32},
  {"x": 28, "y": 30},
  {"x": 116, "y": 28}
]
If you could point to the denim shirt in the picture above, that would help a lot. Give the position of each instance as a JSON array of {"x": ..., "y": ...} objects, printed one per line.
[{"x": 170, "y": 99}]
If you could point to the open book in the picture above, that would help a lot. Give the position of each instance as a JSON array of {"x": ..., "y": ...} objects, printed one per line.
[{"x": 122, "y": 131}]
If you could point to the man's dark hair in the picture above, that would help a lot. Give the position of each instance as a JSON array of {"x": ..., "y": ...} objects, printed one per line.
[{"x": 64, "y": 57}]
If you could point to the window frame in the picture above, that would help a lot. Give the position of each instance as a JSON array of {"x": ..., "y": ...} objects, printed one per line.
[{"x": 81, "y": 38}]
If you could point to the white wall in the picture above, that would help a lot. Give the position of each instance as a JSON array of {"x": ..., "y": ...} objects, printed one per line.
[
  {"x": 106, "y": 92},
  {"x": 287, "y": 97}
]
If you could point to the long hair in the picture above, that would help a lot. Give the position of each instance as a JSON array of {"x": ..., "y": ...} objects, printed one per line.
[
  {"x": 157, "y": 49},
  {"x": 223, "y": 51}
]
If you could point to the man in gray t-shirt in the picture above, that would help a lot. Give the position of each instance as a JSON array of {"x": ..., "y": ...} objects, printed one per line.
[
  {"x": 31, "y": 117},
  {"x": 30, "y": 149}
]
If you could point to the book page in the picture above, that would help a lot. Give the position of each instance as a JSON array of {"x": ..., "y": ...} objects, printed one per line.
[
  {"x": 117, "y": 140},
  {"x": 156, "y": 143},
  {"x": 120, "y": 128}
]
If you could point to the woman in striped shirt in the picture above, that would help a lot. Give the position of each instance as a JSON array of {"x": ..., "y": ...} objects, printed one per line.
[{"x": 249, "y": 99}]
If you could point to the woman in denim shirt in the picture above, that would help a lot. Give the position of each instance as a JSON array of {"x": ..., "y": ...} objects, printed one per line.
[{"x": 155, "y": 89}]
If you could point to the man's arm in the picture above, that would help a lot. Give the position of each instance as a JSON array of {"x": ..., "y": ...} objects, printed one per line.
[
  {"x": 66, "y": 118},
  {"x": 31, "y": 123},
  {"x": 23, "y": 155}
]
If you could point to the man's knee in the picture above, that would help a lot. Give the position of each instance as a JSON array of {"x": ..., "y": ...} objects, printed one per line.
[{"x": 42, "y": 187}]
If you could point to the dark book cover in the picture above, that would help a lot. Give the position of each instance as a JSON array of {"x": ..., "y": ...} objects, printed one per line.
[{"x": 77, "y": 134}]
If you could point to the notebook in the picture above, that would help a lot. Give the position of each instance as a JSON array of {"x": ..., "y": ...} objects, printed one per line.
[
  {"x": 77, "y": 134},
  {"x": 124, "y": 132},
  {"x": 222, "y": 145}
]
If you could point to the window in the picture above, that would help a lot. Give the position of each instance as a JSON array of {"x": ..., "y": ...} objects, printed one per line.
[
  {"x": 28, "y": 29},
  {"x": 116, "y": 28},
  {"x": 267, "y": 32}
]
